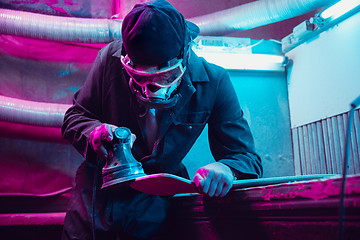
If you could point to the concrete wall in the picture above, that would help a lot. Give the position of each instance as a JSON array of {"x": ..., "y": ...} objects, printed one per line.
[
  {"x": 325, "y": 76},
  {"x": 263, "y": 98},
  {"x": 323, "y": 80}
]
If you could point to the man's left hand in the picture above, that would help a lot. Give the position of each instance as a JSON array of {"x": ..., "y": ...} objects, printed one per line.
[{"x": 214, "y": 179}]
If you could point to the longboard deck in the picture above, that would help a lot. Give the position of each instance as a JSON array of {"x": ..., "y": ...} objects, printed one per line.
[{"x": 168, "y": 184}]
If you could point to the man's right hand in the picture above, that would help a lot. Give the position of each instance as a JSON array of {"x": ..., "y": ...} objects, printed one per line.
[{"x": 98, "y": 135}]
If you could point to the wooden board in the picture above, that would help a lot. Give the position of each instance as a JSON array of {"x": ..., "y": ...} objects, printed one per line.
[{"x": 168, "y": 184}]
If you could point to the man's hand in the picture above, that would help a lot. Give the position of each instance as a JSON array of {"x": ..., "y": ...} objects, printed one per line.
[
  {"x": 101, "y": 133},
  {"x": 214, "y": 179},
  {"x": 98, "y": 135}
]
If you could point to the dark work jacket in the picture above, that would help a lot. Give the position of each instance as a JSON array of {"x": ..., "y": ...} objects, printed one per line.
[{"x": 207, "y": 97}]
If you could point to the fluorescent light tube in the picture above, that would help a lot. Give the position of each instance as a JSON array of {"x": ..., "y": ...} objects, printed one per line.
[
  {"x": 339, "y": 9},
  {"x": 236, "y": 61}
]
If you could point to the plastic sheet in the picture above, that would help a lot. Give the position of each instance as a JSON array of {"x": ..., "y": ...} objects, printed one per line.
[
  {"x": 43, "y": 71},
  {"x": 36, "y": 159}
]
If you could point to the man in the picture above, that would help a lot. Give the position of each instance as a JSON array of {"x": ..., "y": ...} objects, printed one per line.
[{"x": 152, "y": 83}]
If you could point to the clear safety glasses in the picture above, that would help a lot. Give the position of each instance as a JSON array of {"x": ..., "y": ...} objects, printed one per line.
[{"x": 163, "y": 78}]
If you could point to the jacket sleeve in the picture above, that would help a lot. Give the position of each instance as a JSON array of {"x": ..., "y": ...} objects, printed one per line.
[
  {"x": 84, "y": 115},
  {"x": 230, "y": 139}
]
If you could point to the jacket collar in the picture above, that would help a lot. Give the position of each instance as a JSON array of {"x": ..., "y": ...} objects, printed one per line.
[
  {"x": 197, "y": 72},
  {"x": 118, "y": 53}
]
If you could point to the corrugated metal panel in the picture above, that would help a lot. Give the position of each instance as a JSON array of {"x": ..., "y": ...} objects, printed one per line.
[{"x": 319, "y": 146}]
